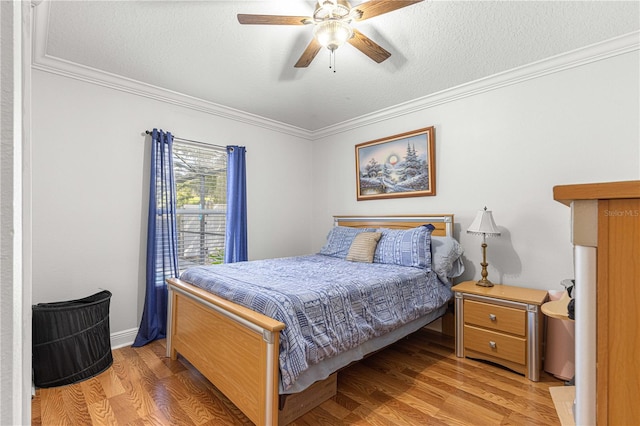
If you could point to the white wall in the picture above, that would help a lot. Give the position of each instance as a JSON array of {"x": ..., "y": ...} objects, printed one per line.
[
  {"x": 90, "y": 189},
  {"x": 506, "y": 149}
]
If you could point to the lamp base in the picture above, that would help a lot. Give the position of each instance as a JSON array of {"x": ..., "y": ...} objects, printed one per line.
[{"x": 484, "y": 283}]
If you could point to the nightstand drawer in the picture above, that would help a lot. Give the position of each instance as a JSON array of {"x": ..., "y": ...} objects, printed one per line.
[
  {"x": 494, "y": 317},
  {"x": 510, "y": 348}
]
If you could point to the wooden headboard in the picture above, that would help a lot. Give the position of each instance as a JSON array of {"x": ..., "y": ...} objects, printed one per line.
[{"x": 442, "y": 222}]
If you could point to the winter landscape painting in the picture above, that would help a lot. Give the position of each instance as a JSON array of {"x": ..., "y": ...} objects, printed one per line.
[{"x": 397, "y": 166}]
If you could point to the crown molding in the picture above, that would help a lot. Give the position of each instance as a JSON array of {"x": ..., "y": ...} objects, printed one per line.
[
  {"x": 579, "y": 57},
  {"x": 596, "y": 52},
  {"x": 44, "y": 62}
]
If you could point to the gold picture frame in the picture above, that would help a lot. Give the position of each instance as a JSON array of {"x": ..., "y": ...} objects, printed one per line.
[{"x": 397, "y": 166}]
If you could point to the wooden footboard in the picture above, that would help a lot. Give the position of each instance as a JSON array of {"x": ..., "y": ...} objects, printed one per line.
[{"x": 232, "y": 346}]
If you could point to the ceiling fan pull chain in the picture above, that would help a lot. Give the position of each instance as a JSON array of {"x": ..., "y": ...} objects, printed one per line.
[{"x": 332, "y": 60}]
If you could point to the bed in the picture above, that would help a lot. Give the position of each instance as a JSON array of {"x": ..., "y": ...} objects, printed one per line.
[{"x": 255, "y": 359}]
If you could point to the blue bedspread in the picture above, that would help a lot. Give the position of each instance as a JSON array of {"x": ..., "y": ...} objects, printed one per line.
[{"x": 329, "y": 305}]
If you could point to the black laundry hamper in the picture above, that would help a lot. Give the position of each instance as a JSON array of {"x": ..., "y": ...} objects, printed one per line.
[{"x": 71, "y": 340}]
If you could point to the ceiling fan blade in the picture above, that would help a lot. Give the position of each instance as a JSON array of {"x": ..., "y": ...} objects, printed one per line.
[
  {"x": 309, "y": 53},
  {"x": 273, "y": 19},
  {"x": 368, "y": 46},
  {"x": 378, "y": 7}
]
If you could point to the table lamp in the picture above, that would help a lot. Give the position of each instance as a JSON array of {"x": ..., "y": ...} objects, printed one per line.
[{"x": 484, "y": 225}]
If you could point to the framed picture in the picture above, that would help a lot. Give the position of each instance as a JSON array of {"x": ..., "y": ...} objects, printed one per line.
[{"x": 403, "y": 165}]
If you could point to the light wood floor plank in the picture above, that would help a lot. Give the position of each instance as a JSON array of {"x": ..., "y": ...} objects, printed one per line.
[
  {"x": 52, "y": 406},
  {"x": 320, "y": 417},
  {"x": 156, "y": 418},
  {"x": 336, "y": 410},
  {"x": 400, "y": 387},
  {"x": 417, "y": 381},
  {"x": 428, "y": 398},
  {"x": 153, "y": 362},
  {"x": 101, "y": 413},
  {"x": 93, "y": 390},
  {"x": 76, "y": 404},
  {"x": 110, "y": 383},
  {"x": 123, "y": 409},
  {"x": 196, "y": 410}
]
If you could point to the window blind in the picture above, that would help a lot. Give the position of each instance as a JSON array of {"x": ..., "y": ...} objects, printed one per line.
[{"x": 201, "y": 196}]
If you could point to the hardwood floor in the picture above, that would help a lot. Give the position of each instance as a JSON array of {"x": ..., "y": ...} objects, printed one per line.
[{"x": 417, "y": 381}]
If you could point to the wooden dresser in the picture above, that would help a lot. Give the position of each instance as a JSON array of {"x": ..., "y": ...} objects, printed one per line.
[{"x": 606, "y": 222}]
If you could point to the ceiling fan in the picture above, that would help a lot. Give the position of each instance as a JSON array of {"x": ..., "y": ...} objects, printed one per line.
[{"x": 332, "y": 26}]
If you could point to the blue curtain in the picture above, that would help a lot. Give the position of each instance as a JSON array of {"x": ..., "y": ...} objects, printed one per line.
[
  {"x": 235, "y": 245},
  {"x": 162, "y": 239}
]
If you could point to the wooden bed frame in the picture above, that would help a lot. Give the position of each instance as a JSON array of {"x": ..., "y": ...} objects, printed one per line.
[{"x": 237, "y": 349}]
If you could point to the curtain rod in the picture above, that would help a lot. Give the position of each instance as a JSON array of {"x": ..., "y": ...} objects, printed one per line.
[{"x": 192, "y": 141}]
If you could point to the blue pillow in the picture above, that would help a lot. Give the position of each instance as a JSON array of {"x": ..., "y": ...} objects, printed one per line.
[
  {"x": 339, "y": 240},
  {"x": 410, "y": 247}
]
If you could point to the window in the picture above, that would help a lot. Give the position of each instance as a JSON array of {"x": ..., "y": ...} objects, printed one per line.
[{"x": 201, "y": 196}]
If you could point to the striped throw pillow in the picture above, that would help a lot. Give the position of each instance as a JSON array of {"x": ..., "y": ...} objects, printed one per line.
[{"x": 363, "y": 247}]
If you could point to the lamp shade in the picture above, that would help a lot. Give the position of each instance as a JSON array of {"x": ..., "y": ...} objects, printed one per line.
[{"x": 484, "y": 224}]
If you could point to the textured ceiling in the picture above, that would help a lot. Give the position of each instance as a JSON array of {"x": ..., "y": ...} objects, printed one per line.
[{"x": 199, "y": 49}]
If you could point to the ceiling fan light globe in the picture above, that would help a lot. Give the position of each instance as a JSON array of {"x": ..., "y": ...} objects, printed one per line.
[{"x": 332, "y": 33}]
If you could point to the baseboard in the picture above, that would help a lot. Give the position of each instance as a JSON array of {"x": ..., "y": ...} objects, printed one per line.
[{"x": 123, "y": 338}]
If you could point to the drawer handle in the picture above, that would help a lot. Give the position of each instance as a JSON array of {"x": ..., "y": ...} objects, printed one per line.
[
  {"x": 492, "y": 317},
  {"x": 492, "y": 344}
]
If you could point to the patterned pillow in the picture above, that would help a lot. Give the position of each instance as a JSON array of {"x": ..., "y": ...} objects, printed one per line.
[
  {"x": 363, "y": 247},
  {"x": 410, "y": 247},
  {"x": 339, "y": 240}
]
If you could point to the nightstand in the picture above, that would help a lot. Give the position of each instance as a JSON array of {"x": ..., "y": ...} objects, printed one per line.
[{"x": 501, "y": 324}]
